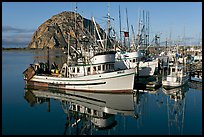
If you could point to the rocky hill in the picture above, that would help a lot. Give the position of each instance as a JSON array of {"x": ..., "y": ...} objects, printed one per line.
[{"x": 53, "y": 33}]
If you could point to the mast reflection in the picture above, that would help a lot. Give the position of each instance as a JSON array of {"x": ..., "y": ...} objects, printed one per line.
[{"x": 176, "y": 104}]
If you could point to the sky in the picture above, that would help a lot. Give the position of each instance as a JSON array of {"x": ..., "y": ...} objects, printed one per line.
[{"x": 176, "y": 19}]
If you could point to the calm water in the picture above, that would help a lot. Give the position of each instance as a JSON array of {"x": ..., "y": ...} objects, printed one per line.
[{"x": 46, "y": 111}]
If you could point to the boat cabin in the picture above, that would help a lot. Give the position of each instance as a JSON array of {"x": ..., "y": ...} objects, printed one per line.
[{"x": 98, "y": 64}]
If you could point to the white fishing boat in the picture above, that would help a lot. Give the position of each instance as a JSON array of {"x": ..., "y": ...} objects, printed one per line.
[
  {"x": 147, "y": 68},
  {"x": 196, "y": 78},
  {"x": 133, "y": 60},
  {"x": 176, "y": 77},
  {"x": 99, "y": 75}
]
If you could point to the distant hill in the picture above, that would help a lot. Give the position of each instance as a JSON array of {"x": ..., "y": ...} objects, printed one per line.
[{"x": 53, "y": 33}]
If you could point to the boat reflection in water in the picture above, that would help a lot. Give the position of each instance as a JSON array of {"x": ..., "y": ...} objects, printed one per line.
[
  {"x": 176, "y": 108},
  {"x": 86, "y": 111}
]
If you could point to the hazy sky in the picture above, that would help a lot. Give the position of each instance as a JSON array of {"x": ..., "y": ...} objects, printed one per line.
[{"x": 21, "y": 19}]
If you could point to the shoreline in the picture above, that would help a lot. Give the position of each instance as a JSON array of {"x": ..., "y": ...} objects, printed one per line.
[
  {"x": 17, "y": 49},
  {"x": 26, "y": 48}
]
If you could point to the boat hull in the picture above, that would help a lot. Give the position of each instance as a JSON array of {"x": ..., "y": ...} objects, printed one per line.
[
  {"x": 129, "y": 60},
  {"x": 117, "y": 81},
  {"x": 170, "y": 85},
  {"x": 147, "y": 68}
]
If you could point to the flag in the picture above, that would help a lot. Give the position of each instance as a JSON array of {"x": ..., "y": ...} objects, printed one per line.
[{"x": 126, "y": 34}]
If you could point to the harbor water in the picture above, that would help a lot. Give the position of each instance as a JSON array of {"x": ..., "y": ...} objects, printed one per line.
[{"x": 30, "y": 111}]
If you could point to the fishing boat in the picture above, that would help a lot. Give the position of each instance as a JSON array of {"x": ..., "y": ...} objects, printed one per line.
[
  {"x": 97, "y": 75},
  {"x": 177, "y": 76},
  {"x": 197, "y": 78},
  {"x": 133, "y": 60}
]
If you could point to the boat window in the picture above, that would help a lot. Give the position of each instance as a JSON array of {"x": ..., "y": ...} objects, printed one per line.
[
  {"x": 107, "y": 66},
  {"x": 133, "y": 60},
  {"x": 89, "y": 110},
  {"x": 94, "y": 68},
  {"x": 130, "y": 60},
  {"x": 99, "y": 67},
  {"x": 73, "y": 70},
  {"x": 112, "y": 66},
  {"x": 77, "y": 70},
  {"x": 74, "y": 107},
  {"x": 173, "y": 69},
  {"x": 78, "y": 108},
  {"x": 103, "y": 67},
  {"x": 88, "y": 69},
  {"x": 95, "y": 112}
]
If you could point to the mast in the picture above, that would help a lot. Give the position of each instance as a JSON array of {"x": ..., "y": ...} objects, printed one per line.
[
  {"x": 138, "y": 32},
  {"x": 170, "y": 42},
  {"x": 48, "y": 60},
  {"x": 143, "y": 27},
  {"x": 98, "y": 33},
  {"x": 120, "y": 25},
  {"x": 176, "y": 56},
  {"x": 184, "y": 44},
  {"x": 133, "y": 36},
  {"x": 75, "y": 17},
  {"x": 148, "y": 28},
  {"x": 108, "y": 27},
  {"x": 76, "y": 30},
  {"x": 184, "y": 39},
  {"x": 128, "y": 28},
  {"x": 82, "y": 21},
  {"x": 68, "y": 49},
  {"x": 166, "y": 43}
]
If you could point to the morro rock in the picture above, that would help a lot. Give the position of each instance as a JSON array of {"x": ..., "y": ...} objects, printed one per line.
[{"x": 54, "y": 32}]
